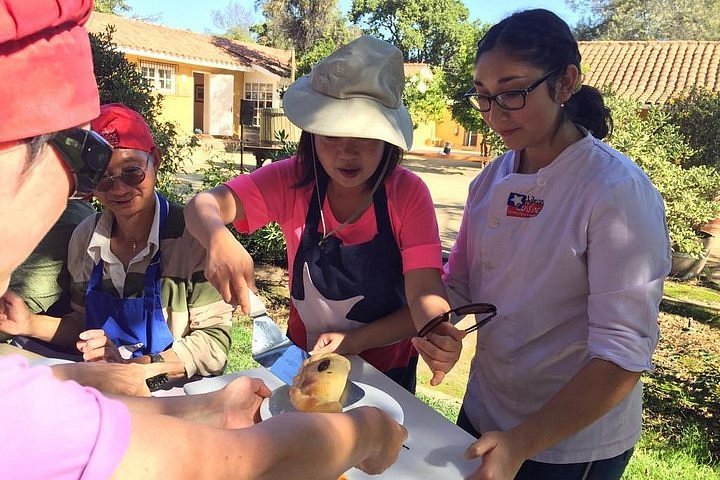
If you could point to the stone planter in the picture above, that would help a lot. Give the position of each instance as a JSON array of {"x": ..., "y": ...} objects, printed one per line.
[{"x": 685, "y": 267}]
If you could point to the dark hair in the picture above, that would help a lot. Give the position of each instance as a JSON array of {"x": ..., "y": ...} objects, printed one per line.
[
  {"x": 541, "y": 38},
  {"x": 392, "y": 156},
  {"x": 37, "y": 144}
]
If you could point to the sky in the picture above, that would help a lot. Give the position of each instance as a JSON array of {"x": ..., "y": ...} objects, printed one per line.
[{"x": 195, "y": 14}]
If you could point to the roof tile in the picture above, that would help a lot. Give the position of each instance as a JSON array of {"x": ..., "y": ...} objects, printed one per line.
[
  {"x": 189, "y": 47},
  {"x": 651, "y": 71}
]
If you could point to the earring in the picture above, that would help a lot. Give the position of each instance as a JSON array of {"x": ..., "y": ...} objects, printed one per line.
[{"x": 562, "y": 105}]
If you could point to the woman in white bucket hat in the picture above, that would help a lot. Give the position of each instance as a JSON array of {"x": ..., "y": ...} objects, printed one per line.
[{"x": 364, "y": 252}]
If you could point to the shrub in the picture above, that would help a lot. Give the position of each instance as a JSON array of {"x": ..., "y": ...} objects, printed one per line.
[
  {"x": 266, "y": 245},
  {"x": 287, "y": 146},
  {"x": 660, "y": 149},
  {"x": 697, "y": 114}
]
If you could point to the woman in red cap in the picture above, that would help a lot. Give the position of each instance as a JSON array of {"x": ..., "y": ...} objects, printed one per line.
[{"x": 58, "y": 429}]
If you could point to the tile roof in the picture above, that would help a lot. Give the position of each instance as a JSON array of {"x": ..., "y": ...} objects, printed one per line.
[
  {"x": 164, "y": 43},
  {"x": 651, "y": 71}
]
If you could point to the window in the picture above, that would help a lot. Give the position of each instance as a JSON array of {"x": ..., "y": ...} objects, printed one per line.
[
  {"x": 262, "y": 95},
  {"x": 160, "y": 75}
]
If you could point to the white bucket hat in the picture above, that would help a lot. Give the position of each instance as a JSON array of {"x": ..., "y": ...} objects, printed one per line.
[{"x": 354, "y": 92}]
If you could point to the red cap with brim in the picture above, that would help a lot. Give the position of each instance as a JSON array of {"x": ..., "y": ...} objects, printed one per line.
[
  {"x": 47, "y": 81},
  {"x": 123, "y": 127}
]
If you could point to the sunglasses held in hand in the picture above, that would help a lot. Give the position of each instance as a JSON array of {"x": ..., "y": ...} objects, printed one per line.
[{"x": 483, "y": 312}]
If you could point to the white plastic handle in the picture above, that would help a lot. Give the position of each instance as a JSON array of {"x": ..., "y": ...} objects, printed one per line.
[{"x": 257, "y": 307}]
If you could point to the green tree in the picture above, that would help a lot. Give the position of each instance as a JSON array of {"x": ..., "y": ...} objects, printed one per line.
[
  {"x": 459, "y": 79},
  {"x": 660, "y": 149},
  {"x": 120, "y": 81},
  {"x": 235, "y": 20},
  {"x": 427, "y": 31},
  {"x": 111, "y": 6},
  {"x": 424, "y": 95},
  {"x": 300, "y": 24},
  {"x": 697, "y": 114},
  {"x": 320, "y": 50},
  {"x": 648, "y": 19}
]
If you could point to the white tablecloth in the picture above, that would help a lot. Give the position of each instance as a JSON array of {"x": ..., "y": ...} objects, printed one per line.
[{"x": 436, "y": 446}]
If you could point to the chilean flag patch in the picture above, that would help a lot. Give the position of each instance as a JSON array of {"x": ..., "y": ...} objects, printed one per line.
[{"x": 525, "y": 206}]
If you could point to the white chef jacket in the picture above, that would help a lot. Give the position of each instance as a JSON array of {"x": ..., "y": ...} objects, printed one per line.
[{"x": 574, "y": 257}]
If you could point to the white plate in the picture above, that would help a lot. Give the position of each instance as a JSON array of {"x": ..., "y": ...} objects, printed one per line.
[
  {"x": 279, "y": 402},
  {"x": 34, "y": 362},
  {"x": 211, "y": 384}
]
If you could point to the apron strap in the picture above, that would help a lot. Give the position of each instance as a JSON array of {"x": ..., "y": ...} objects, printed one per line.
[{"x": 152, "y": 274}]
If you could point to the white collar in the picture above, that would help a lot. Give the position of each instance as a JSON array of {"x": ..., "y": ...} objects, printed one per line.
[{"x": 99, "y": 246}]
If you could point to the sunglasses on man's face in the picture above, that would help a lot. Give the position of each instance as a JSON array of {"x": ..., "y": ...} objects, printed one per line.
[
  {"x": 130, "y": 176},
  {"x": 86, "y": 154},
  {"x": 483, "y": 312}
]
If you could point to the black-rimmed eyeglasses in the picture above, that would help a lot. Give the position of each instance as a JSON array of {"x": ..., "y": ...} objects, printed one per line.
[
  {"x": 86, "y": 154},
  {"x": 509, "y": 100},
  {"x": 485, "y": 312}
]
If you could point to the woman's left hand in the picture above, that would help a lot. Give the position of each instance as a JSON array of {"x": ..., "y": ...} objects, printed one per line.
[
  {"x": 96, "y": 346},
  {"x": 499, "y": 459},
  {"x": 336, "y": 342},
  {"x": 440, "y": 349}
]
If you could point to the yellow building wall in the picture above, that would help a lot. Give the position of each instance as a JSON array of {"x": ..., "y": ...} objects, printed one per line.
[
  {"x": 179, "y": 107},
  {"x": 423, "y": 135},
  {"x": 431, "y": 135}
]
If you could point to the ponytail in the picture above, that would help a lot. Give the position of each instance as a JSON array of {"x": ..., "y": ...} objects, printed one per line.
[{"x": 587, "y": 108}]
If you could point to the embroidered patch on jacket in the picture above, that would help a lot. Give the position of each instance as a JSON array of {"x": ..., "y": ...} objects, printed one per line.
[{"x": 525, "y": 206}]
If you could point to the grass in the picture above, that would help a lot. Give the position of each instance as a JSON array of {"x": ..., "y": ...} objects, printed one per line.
[
  {"x": 240, "y": 357},
  {"x": 681, "y": 437},
  {"x": 692, "y": 291}
]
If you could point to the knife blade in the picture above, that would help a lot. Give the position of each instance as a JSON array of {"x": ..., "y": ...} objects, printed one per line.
[{"x": 272, "y": 349}]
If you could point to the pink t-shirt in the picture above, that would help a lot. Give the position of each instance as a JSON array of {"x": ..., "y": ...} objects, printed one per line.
[
  {"x": 55, "y": 429},
  {"x": 268, "y": 195}
]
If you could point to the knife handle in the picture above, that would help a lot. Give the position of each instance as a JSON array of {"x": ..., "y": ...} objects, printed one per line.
[{"x": 257, "y": 307}]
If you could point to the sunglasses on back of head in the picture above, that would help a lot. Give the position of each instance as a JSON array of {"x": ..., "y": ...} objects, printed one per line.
[
  {"x": 86, "y": 154},
  {"x": 487, "y": 309}
]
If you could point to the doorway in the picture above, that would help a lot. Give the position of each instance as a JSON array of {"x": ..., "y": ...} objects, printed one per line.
[{"x": 199, "y": 103}]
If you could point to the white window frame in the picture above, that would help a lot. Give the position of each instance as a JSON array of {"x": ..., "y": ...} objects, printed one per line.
[
  {"x": 161, "y": 76},
  {"x": 262, "y": 95}
]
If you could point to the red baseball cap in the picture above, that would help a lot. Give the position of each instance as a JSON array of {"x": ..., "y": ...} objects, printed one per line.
[
  {"x": 47, "y": 81},
  {"x": 123, "y": 127}
]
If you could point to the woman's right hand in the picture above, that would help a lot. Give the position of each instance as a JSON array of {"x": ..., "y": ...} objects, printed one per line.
[
  {"x": 15, "y": 317},
  {"x": 388, "y": 440},
  {"x": 230, "y": 270}
]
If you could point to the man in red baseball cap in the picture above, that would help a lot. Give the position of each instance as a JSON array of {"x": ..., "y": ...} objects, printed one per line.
[
  {"x": 58, "y": 428},
  {"x": 136, "y": 248}
]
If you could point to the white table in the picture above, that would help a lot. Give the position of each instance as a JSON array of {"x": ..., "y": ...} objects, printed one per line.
[{"x": 436, "y": 446}]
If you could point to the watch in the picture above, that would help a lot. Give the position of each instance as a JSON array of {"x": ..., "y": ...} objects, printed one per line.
[
  {"x": 157, "y": 382},
  {"x": 156, "y": 358}
]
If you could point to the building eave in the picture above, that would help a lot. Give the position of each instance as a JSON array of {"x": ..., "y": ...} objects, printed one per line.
[{"x": 187, "y": 60}]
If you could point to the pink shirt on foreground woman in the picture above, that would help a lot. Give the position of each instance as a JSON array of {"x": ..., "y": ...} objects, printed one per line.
[{"x": 99, "y": 426}]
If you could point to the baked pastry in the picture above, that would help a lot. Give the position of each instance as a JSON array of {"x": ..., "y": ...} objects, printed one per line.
[{"x": 320, "y": 383}]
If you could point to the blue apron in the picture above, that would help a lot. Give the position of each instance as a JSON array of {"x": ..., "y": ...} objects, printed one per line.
[
  {"x": 137, "y": 323},
  {"x": 366, "y": 280}
]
